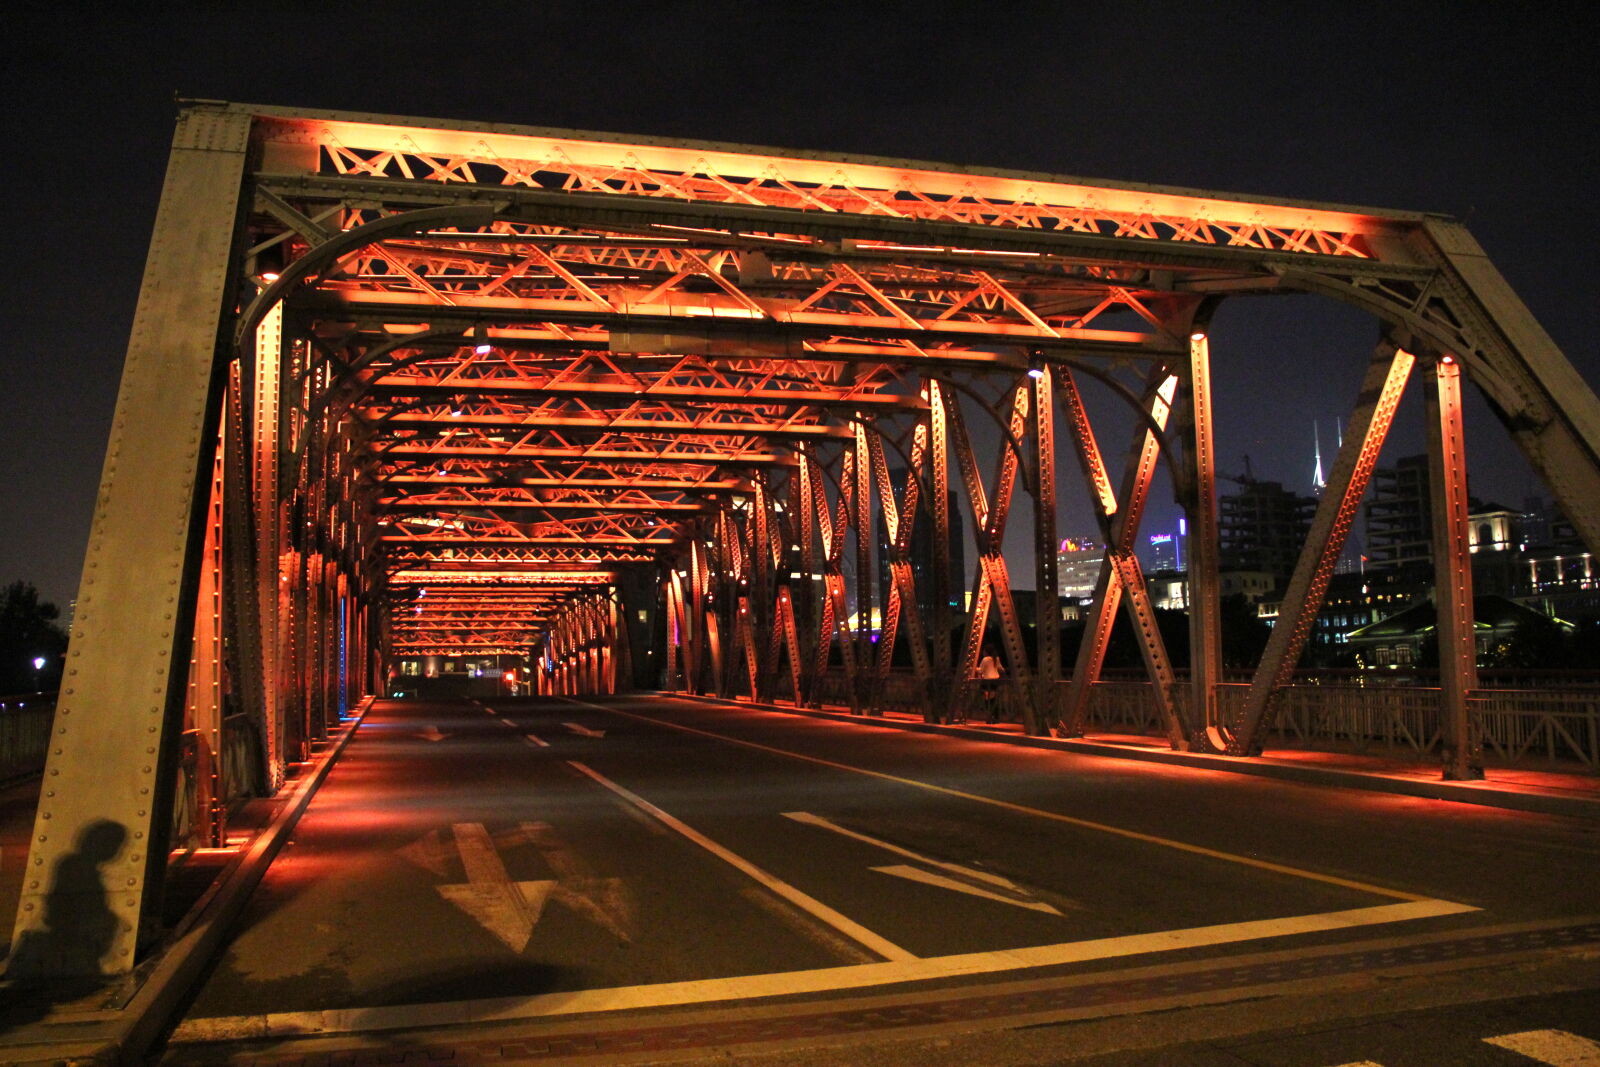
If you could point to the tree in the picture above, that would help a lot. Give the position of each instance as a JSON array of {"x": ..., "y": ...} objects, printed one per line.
[{"x": 28, "y": 631}]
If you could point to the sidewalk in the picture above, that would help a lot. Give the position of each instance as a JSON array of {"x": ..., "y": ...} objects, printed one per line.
[
  {"x": 115, "y": 1020},
  {"x": 1547, "y": 792}
]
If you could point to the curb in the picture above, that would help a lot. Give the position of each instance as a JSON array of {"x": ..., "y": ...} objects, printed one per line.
[
  {"x": 1459, "y": 792},
  {"x": 123, "y": 1036}
]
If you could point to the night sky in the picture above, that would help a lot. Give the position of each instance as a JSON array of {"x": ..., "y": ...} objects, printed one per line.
[{"x": 1476, "y": 110}]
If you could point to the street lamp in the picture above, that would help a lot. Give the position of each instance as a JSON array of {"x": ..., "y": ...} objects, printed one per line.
[{"x": 38, "y": 669}]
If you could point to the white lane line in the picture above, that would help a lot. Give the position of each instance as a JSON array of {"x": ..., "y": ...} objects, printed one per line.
[
  {"x": 967, "y": 880},
  {"x": 582, "y": 730},
  {"x": 536, "y": 742},
  {"x": 1555, "y": 1047},
  {"x": 786, "y": 983},
  {"x": 805, "y": 902},
  {"x": 1054, "y": 816}
]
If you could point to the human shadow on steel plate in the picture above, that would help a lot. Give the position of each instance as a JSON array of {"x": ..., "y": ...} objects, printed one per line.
[{"x": 58, "y": 961}]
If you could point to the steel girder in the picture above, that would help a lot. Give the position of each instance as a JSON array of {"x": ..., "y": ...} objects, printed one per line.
[{"x": 502, "y": 374}]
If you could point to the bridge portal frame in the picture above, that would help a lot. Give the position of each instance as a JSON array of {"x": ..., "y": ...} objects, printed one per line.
[{"x": 257, "y": 520}]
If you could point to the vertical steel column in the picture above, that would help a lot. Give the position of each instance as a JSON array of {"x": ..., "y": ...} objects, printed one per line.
[
  {"x": 1205, "y": 613},
  {"x": 205, "y": 668},
  {"x": 866, "y": 575},
  {"x": 1385, "y": 381},
  {"x": 762, "y": 616},
  {"x": 938, "y": 507},
  {"x": 266, "y": 381},
  {"x": 1452, "y": 570},
  {"x": 804, "y": 606},
  {"x": 1041, "y": 715},
  {"x": 108, "y": 775}
]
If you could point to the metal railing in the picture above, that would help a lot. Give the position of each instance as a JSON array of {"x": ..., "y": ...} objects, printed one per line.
[
  {"x": 1554, "y": 726},
  {"x": 1515, "y": 726},
  {"x": 24, "y": 733}
]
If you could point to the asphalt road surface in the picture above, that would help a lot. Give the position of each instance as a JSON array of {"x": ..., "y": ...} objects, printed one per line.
[{"x": 659, "y": 872}]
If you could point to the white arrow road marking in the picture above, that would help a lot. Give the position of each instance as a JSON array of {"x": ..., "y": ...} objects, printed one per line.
[
  {"x": 1555, "y": 1047},
  {"x": 603, "y": 901},
  {"x": 917, "y": 874},
  {"x": 428, "y": 852},
  {"x": 432, "y": 734},
  {"x": 965, "y": 880},
  {"x": 583, "y": 731},
  {"x": 508, "y": 910}
]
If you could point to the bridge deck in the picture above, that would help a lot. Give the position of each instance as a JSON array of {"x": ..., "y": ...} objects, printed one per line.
[{"x": 549, "y": 858}]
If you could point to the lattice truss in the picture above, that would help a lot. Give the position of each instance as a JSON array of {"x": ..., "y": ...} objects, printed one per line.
[
  {"x": 544, "y": 352},
  {"x": 697, "y": 415}
]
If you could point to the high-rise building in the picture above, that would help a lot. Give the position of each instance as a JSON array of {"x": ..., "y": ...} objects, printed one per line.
[
  {"x": 1263, "y": 527},
  {"x": 1078, "y": 563},
  {"x": 1399, "y": 517},
  {"x": 1166, "y": 552}
]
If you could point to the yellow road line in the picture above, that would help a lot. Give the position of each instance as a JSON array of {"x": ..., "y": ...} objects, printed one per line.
[{"x": 789, "y": 983}]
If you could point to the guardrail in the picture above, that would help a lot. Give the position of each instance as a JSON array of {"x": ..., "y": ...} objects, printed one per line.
[
  {"x": 1515, "y": 726},
  {"x": 24, "y": 733}
]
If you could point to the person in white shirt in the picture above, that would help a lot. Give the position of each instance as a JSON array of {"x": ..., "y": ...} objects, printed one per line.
[{"x": 989, "y": 671}]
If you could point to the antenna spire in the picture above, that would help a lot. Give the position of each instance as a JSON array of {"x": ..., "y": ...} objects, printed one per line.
[{"x": 1318, "y": 482}]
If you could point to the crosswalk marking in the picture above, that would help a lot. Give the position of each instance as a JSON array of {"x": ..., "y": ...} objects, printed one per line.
[{"x": 1555, "y": 1047}]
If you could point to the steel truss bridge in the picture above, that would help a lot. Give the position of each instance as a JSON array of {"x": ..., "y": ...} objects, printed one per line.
[{"x": 399, "y": 388}]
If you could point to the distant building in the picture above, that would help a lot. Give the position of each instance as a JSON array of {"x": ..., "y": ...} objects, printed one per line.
[
  {"x": 1166, "y": 552},
  {"x": 1169, "y": 590},
  {"x": 1262, "y": 528},
  {"x": 1558, "y": 575},
  {"x": 1352, "y": 601},
  {"x": 1396, "y": 642},
  {"x": 1254, "y": 586},
  {"x": 1078, "y": 562},
  {"x": 1399, "y": 517},
  {"x": 1400, "y": 530}
]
